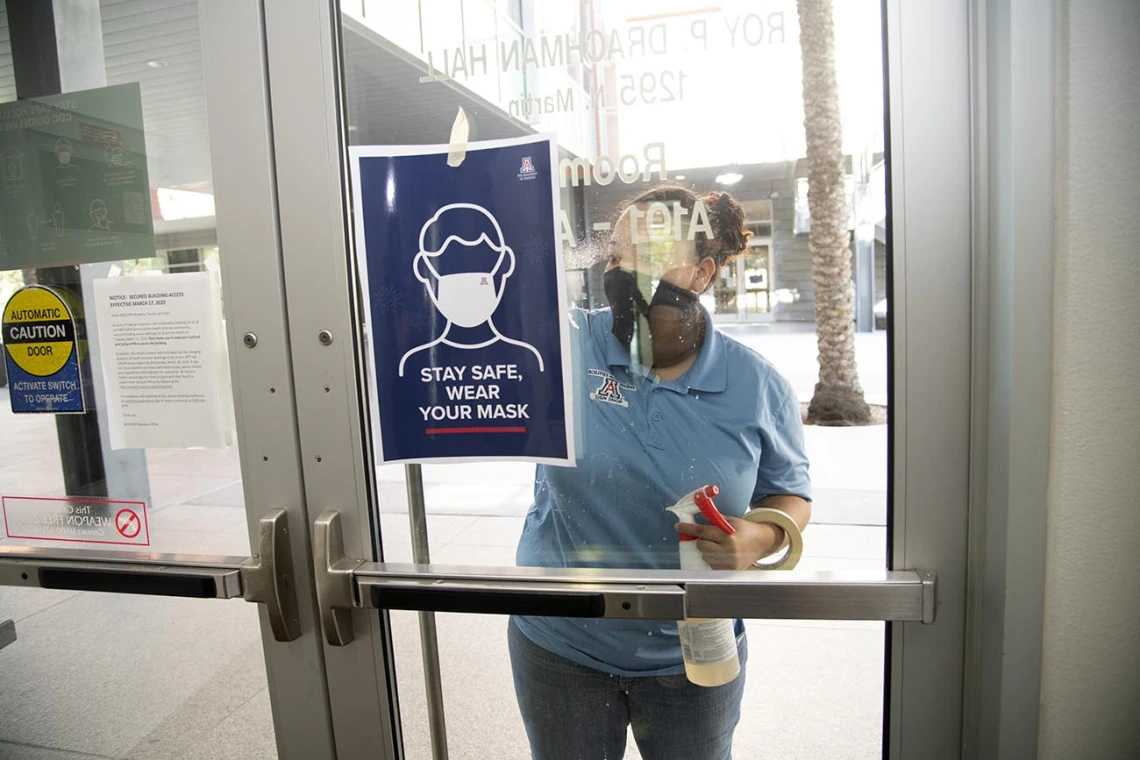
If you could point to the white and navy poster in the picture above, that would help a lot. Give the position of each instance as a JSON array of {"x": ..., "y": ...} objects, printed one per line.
[{"x": 462, "y": 275}]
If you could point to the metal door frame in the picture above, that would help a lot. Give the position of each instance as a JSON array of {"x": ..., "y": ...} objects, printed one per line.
[
  {"x": 928, "y": 59},
  {"x": 930, "y": 274},
  {"x": 244, "y": 178}
]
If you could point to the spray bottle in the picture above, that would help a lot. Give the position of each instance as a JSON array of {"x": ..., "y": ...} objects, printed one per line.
[{"x": 707, "y": 645}]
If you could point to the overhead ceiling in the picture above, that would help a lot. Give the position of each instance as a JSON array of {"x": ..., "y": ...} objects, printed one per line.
[
  {"x": 157, "y": 43},
  {"x": 388, "y": 105},
  {"x": 135, "y": 34}
]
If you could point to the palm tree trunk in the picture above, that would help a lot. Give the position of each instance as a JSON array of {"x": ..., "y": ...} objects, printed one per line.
[{"x": 838, "y": 398}]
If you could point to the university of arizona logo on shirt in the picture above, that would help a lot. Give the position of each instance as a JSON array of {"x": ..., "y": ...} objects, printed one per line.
[{"x": 610, "y": 389}]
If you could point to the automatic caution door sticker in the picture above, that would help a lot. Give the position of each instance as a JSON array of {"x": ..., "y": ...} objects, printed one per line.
[{"x": 42, "y": 352}]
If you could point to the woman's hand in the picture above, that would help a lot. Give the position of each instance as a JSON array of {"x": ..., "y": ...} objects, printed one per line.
[{"x": 734, "y": 551}]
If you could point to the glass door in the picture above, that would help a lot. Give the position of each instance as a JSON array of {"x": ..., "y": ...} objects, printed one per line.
[
  {"x": 446, "y": 587},
  {"x": 743, "y": 290},
  {"x": 551, "y": 681},
  {"x": 148, "y": 449},
  {"x": 755, "y": 279}
]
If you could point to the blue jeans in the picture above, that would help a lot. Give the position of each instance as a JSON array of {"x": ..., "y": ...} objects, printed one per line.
[{"x": 572, "y": 712}]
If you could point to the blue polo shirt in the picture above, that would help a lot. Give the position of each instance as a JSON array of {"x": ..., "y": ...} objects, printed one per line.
[{"x": 732, "y": 420}]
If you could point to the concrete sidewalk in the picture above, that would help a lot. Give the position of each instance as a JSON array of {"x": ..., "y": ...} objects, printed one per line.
[{"x": 791, "y": 347}]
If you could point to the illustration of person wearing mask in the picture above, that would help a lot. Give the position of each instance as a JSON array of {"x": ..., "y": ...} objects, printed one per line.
[
  {"x": 63, "y": 154},
  {"x": 466, "y": 299},
  {"x": 99, "y": 218}
]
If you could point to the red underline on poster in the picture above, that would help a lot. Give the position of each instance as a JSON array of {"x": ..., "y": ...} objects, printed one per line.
[{"x": 463, "y": 430}]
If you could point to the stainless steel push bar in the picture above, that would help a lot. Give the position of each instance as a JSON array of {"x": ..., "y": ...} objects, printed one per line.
[{"x": 344, "y": 584}]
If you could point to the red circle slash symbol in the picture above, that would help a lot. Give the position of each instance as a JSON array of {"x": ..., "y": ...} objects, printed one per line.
[{"x": 128, "y": 523}]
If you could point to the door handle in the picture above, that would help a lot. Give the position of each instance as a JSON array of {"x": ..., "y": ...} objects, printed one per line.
[
  {"x": 522, "y": 596},
  {"x": 152, "y": 574},
  {"x": 166, "y": 582},
  {"x": 340, "y": 589},
  {"x": 488, "y": 601},
  {"x": 333, "y": 573},
  {"x": 344, "y": 584},
  {"x": 268, "y": 578},
  {"x": 894, "y": 595}
]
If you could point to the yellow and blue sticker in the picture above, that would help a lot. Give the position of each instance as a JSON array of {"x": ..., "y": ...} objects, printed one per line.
[{"x": 42, "y": 353}]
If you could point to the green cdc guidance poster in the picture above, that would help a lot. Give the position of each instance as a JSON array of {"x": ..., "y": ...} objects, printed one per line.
[{"x": 73, "y": 179}]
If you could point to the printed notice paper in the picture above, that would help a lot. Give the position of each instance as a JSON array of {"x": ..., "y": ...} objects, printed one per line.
[
  {"x": 462, "y": 274},
  {"x": 163, "y": 360}
]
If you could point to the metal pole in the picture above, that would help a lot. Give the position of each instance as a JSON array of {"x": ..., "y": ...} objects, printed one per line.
[
  {"x": 864, "y": 246},
  {"x": 429, "y": 643}
]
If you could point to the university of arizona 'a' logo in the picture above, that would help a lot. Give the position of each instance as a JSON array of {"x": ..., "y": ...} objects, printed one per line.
[
  {"x": 610, "y": 391},
  {"x": 527, "y": 170}
]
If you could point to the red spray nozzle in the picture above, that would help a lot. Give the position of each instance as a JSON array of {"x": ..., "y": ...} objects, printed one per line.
[
  {"x": 708, "y": 509},
  {"x": 702, "y": 497}
]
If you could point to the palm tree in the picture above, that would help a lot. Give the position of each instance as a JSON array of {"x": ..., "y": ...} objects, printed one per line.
[{"x": 838, "y": 398}]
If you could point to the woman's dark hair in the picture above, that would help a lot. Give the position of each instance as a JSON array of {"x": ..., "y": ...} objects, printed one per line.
[{"x": 726, "y": 215}]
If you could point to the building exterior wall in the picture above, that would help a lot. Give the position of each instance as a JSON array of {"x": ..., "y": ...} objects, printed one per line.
[
  {"x": 1090, "y": 671},
  {"x": 791, "y": 263},
  {"x": 790, "y": 252}
]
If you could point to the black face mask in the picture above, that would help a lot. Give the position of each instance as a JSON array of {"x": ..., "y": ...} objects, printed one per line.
[
  {"x": 674, "y": 318},
  {"x": 677, "y": 323},
  {"x": 626, "y": 302},
  {"x": 669, "y": 294}
]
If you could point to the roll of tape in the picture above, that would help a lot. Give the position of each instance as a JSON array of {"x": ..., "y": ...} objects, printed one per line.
[{"x": 781, "y": 519}]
